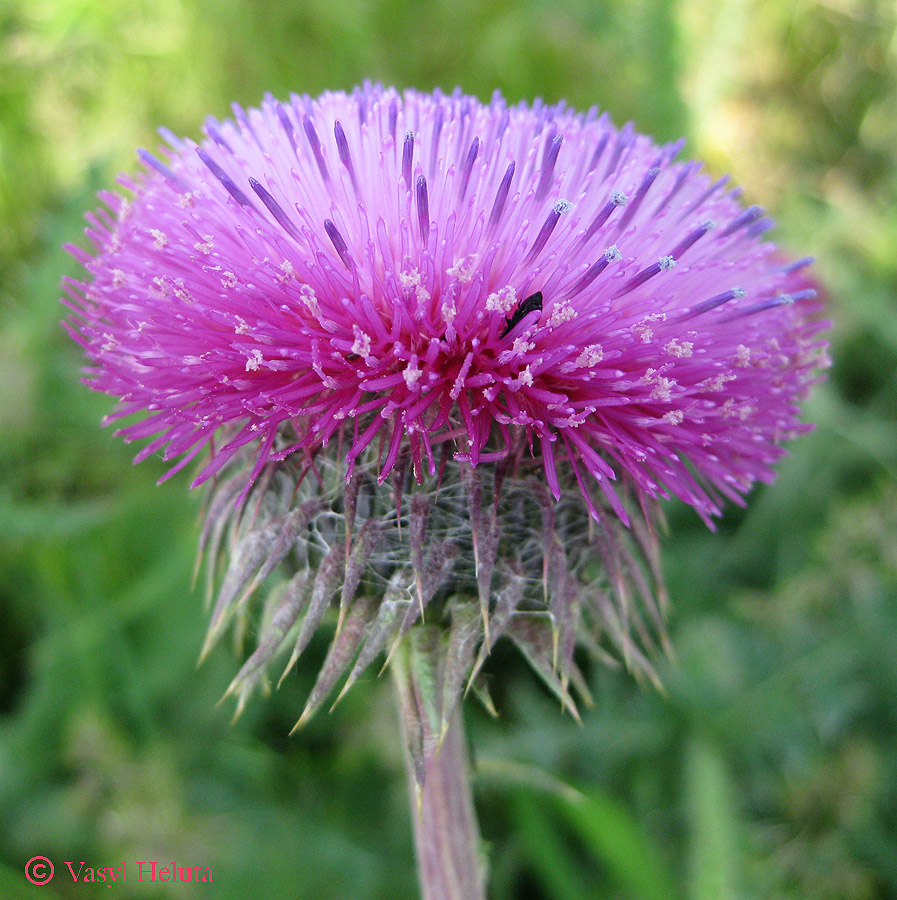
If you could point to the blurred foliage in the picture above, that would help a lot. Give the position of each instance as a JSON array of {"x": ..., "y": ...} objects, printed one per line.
[{"x": 769, "y": 768}]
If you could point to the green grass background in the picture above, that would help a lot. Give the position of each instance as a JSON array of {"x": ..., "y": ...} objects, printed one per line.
[{"x": 769, "y": 769}]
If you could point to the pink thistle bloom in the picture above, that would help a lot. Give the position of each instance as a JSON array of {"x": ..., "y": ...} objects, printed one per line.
[
  {"x": 532, "y": 323},
  {"x": 423, "y": 270},
  {"x": 445, "y": 357}
]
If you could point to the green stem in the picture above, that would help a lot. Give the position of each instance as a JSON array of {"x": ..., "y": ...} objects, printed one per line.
[{"x": 446, "y": 836}]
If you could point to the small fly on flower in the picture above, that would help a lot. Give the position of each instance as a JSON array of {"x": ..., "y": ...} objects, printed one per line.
[{"x": 532, "y": 303}]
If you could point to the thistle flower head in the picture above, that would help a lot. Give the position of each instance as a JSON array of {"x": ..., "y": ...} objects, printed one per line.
[{"x": 450, "y": 350}]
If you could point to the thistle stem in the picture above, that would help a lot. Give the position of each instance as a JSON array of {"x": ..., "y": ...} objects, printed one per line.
[{"x": 446, "y": 837}]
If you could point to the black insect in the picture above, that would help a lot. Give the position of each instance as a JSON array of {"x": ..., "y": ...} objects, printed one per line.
[{"x": 530, "y": 304}]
